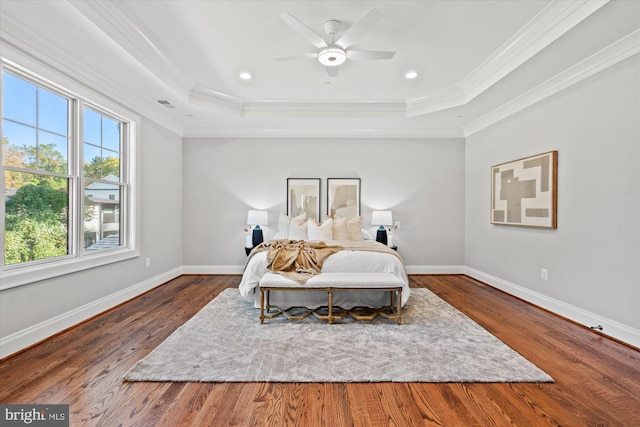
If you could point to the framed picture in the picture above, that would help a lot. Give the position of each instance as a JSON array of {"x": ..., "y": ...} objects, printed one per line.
[
  {"x": 525, "y": 191},
  {"x": 303, "y": 196},
  {"x": 343, "y": 197}
]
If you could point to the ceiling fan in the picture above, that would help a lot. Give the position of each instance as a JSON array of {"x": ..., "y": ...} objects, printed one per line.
[{"x": 332, "y": 53}]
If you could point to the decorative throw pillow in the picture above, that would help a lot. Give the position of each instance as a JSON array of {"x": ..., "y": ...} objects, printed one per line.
[
  {"x": 323, "y": 231},
  {"x": 284, "y": 223},
  {"x": 300, "y": 219},
  {"x": 283, "y": 226},
  {"x": 340, "y": 231},
  {"x": 298, "y": 232},
  {"x": 354, "y": 227}
]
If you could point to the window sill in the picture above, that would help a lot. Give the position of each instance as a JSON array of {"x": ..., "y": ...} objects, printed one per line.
[{"x": 24, "y": 276}]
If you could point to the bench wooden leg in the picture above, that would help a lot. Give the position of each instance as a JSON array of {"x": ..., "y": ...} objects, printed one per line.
[
  {"x": 399, "y": 304},
  {"x": 261, "y": 306},
  {"x": 330, "y": 306}
]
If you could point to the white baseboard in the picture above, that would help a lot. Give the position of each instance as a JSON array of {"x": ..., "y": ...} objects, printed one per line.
[
  {"x": 610, "y": 327},
  {"x": 435, "y": 269},
  {"x": 38, "y": 332},
  {"x": 212, "y": 269}
]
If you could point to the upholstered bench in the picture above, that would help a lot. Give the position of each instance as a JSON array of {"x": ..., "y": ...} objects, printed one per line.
[{"x": 331, "y": 282}]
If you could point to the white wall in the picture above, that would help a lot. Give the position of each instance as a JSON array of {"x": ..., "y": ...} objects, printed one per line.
[
  {"x": 421, "y": 181},
  {"x": 594, "y": 254},
  {"x": 32, "y": 312}
]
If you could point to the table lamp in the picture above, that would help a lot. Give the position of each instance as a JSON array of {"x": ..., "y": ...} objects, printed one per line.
[
  {"x": 382, "y": 218},
  {"x": 256, "y": 219}
]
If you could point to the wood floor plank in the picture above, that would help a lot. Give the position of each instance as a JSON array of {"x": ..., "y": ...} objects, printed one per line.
[
  {"x": 366, "y": 408},
  {"x": 394, "y": 398},
  {"x": 597, "y": 380},
  {"x": 336, "y": 405}
]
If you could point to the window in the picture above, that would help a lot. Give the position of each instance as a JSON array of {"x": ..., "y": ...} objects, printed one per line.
[
  {"x": 35, "y": 145},
  {"x": 65, "y": 171},
  {"x": 102, "y": 151}
]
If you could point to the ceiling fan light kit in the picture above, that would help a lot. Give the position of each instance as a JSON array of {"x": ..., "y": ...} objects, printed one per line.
[{"x": 332, "y": 56}]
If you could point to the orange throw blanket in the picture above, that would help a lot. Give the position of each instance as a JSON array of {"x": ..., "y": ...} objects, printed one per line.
[{"x": 296, "y": 259}]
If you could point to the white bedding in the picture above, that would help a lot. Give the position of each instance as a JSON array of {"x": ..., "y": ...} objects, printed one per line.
[{"x": 347, "y": 260}]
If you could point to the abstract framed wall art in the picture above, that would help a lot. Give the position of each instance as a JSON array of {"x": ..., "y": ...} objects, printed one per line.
[
  {"x": 524, "y": 192},
  {"x": 303, "y": 196},
  {"x": 343, "y": 197}
]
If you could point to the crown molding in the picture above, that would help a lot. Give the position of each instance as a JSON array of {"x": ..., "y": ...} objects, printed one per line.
[
  {"x": 23, "y": 47},
  {"x": 113, "y": 19},
  {"x": 546, "y": 27},
  {"x": 224, "y": 102},
  {"x": 326, "y": 109},
  {"x": 601, "y": 60},
  {"x": 443, "y": 99},
  {"x": 287, "y": 133},
  {"x": 216, "y": 100},
  {"x": 551, "y": 23}
]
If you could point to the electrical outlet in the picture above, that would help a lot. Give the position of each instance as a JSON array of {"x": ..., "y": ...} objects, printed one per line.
[
  {"x": 544, "y": 274},
  {"x": 148, "y": 262}
]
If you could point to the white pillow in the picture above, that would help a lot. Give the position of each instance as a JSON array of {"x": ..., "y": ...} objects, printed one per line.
[
  {"x": 323, "y": 231},
  {"x": 298, "y": 232},
  {"x": 366, "y": 235}
]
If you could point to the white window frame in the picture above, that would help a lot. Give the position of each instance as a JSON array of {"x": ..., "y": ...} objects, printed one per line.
[{"x": 78, "y": 259}]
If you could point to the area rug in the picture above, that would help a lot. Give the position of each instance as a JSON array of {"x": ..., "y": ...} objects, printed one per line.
[{"x": 225, "y": 342}]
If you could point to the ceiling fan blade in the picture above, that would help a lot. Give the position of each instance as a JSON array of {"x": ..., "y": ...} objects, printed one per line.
[
  {"x": 332, "y": 71},
  {"x": 298, "y": 56},
  {"x": 304, "y": 31},
  {"x": 364, "y": 55},
  {"x": 358, "y": 29}
]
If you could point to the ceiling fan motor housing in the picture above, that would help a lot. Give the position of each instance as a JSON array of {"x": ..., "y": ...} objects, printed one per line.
[{"x": 331, "y": 27}]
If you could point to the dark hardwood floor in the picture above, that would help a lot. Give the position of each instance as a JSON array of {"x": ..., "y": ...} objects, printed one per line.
[{"x": 597, "y": 379}]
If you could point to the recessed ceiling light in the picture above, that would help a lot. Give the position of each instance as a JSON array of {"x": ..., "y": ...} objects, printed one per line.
[
  {"x": 245, "y": 76},
  {"x": 411, "y": 75}
]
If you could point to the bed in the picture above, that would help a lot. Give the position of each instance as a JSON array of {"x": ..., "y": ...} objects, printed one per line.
[{"x": 358, "y": 254}]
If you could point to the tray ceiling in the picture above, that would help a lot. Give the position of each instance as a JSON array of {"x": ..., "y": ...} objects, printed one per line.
[{"x": 191, "y": 53}]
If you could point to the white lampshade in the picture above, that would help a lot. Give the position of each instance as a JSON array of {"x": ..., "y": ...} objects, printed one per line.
[
  {"x": 258, "y": 218},
  {"x": 381, "y": 218}
]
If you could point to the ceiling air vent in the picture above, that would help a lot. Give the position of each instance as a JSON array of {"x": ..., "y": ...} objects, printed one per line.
[{"x": 165, "y": 103}]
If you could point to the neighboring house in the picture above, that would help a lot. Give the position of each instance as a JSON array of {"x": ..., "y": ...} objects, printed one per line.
[{"x": 105, "y": 220}]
